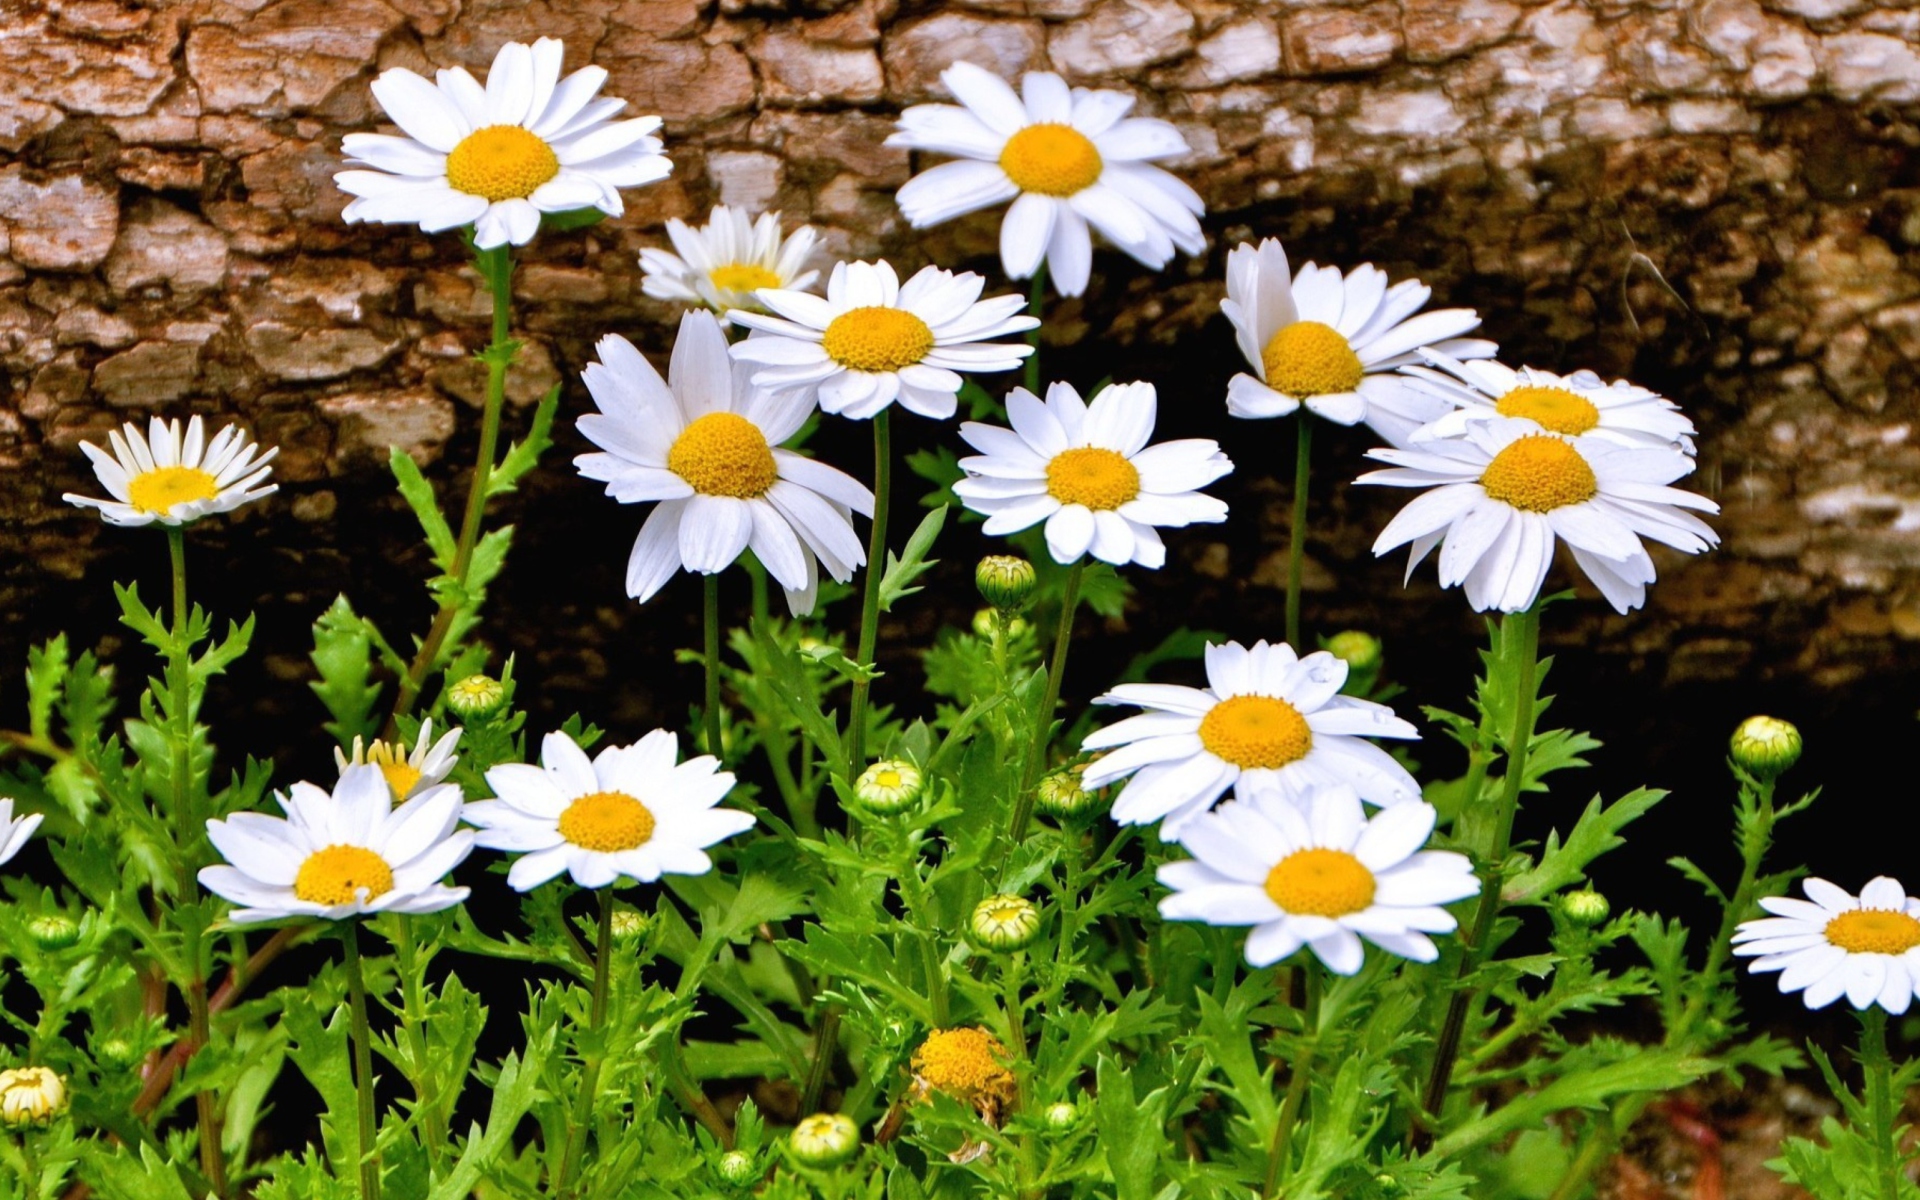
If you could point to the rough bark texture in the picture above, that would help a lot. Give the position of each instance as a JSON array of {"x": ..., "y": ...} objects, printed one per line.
[{"x": 1719, "y": 197}]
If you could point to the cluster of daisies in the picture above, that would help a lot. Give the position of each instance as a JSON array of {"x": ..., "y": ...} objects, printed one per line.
[{"x": 1320, "y": 841}]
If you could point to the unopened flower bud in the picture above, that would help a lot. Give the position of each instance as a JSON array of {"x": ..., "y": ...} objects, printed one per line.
[
  {"x": 1004, "y": 923},
  {"x": 984, "y": 619},
  {"x": 476, "y": 697},
  {"x": 1766, "y": 747},
  {"x": 824, "y": 1140},
  {"x": 888, "y": 786},
  {"x": 54, "y": 931},
  {"x": 1060, "y": 795},
  {"x": 1357, "y": 648},
  {"x": 1005, "y": 581},
  {"x": 116, "y": 1054},
  {"x": 630, "y": 925},
  {"x": 737, "y": 1167},
  {"x": 1061, "y": 1117},
  {"x": 31, "y": 1096},
  {"x": 1586, "y": 907}
]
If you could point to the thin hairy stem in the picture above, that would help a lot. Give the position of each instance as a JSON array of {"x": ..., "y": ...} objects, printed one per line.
[
  {"x": 710, "y": 653},
  {"x": 870, "y": 604},
  {"x": 1043, "y": 725},
  {"x": 589, "y": 1092},
  {"x": 1297, "y": 528},
  {"x": 362, "y": 1066}
]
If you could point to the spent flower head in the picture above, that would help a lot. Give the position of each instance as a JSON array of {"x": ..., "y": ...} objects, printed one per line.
[
  {"x": 1067, "y": 158},
  {"x": 968, "y": 1064},
  {"x": 497, "y": 157},
  {"x": 173, "y": 478}
]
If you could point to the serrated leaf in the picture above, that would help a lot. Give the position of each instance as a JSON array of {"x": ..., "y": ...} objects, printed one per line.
[
  {"x": 1565, "y": 862},
  {"x": 343, "y": 657},
  {"x": 912, "y": 563},
  {"x": 522, "y": 456},
  {"x": 418, "y": 494}
]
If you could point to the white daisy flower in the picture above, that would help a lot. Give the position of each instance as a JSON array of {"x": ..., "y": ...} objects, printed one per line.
[
  {"x": 704, "y": 444},
  {"x": 1088, "y": 472},
  {"x": 722, "y": 263},
  {"x": 1505, "y": 492},
  {"x": 1330, "y": 342},
  {"x": 629, "y": 811},
  {"x": 407, "y": 774},
  {"x": 14, "y": 833},
  {"x": 1833, "y": 944},
  {"x": 1576, "y": 405},
  {"x": 1316, "y": 872},
  {"x": 497, "y": 157},
  {"x": 1267, "y": 721},
  {"x": 161, "y": 476},
  {"x": 1067, "y": 158},
  {"x": 874, "y": 340},
  {"x": 341, "y": 854}
]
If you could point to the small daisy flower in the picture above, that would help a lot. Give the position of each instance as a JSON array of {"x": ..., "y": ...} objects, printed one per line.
[
  {"x": 1319, "y": 873},
  {"x": 1330, "y": 342},
  {"x": 1268, "y": 720},
  {"x": 633, "y": 811},
  {"x": 874, "y": 340},
  {"x": 704, "y": 445},
  {"x": 724, "y": 262},
  {"x": 1833, "y": 944},
  {"x": 15, "y": 832},
  {"x": 496, "y": 157},
  {"x": 162, "y": 476},
  {"x": 1068, "y": 158},
  {"x": 407, "y": 774},
  {"x": 1575, "y": 405},
  {"x": 1506, "y": 491},
  {"x": 341, "y": 854},
  {"x": 1088, "y": 472}
]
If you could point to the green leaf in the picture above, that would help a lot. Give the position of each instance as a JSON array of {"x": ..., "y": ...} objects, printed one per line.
[
  {"x": 1645, "y": 1069},
  {"x": 419, "y": 496},
  {"x": 571, "y": 219},
  {"x": 903, "y": 569},
  {"x": 343, "y": 656},
  {"x": 1596, "y": 832},
  {"x": 524, "y": 455},
  {"x": 513, "y": 1093},
  {"x": 1130, "y": 1130},
  {"x": 46, "y": 678}
]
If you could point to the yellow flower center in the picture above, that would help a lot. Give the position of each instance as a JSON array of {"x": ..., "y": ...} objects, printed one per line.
[
  {"x": 1002, "y": 912},
  {"x": 743, "y": 277},
  {"x": 158, "y": 490},
  {"x": 338, "y": 874},
  {"x": 1320, "y": 883},
  {"x": 1307, "y": 358},
  {"x": 1540, "y": 473},
  {"x": 1256, "y": 731},
  {"x": 724, "y": 454},
  {"x": 886, "y": 779},
  {"x": 1100, "y": 479},
  {"x": 501, "y": 162},
  {"x": 1874, "y": 931},
  {"x": 1051, "y": 159},
  {"x": 1551, "y": 408},
  {"x": 401, "y": 775},
  {"x": 877, "y": 339},
  {"x": 966, "y": 1063},
  {"x": 607, "y": 821}
]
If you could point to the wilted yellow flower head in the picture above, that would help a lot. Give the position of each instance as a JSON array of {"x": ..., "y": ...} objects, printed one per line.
[
  {"x": 31, "y": 1096},
  {"x": 968, "y": 1064}
]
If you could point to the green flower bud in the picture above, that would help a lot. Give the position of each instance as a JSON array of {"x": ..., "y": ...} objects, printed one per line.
[
  {"x": 824, "y": 1140},
  {"x": 1004, "y": 923},
  {"x": 887, "y": 787},
  {"x": 1358, "y": 649},
  {"x": 737, "y": 1167},
  {"x": 984, "y": 619},
  {"x": 476, "y": 698},
  {"x": 1005, "y": 581},
  {"x": 31, "y": 1096},
  {"x": 1060, "y": 796},
  {"x": 630, "y": 925},
  {"x": 116, "y": 1054},
  {"x": 1766, "y": 747},
  {"x": 54, "y": 931},
  {"x": 1585, "y": 908},
  {"x": 1061, "y": 1117}
]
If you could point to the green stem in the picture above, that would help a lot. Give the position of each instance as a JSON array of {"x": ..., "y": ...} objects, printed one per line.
[
  {"x": 826, "y": 1041},
  {"x": 186, "y": 835},
  {"x": 362, "y": 1065},
  {"x": 1036, "y": 308},
  {"x": 1043, "y": 725},
  {"x": 414, "y": 1017},
  {"x": 710, "y": 609},
  {"x": 1882, "y": 1108},
  {"x": 1526, "y": 626},
  {"x": 1297, "y": 1082},
  {"x": 870, "y": 606},
  {"x": 496, "y": 267},
  {"x": 583, "y": 1101},
  {"x": 1297, "y": 530}
]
